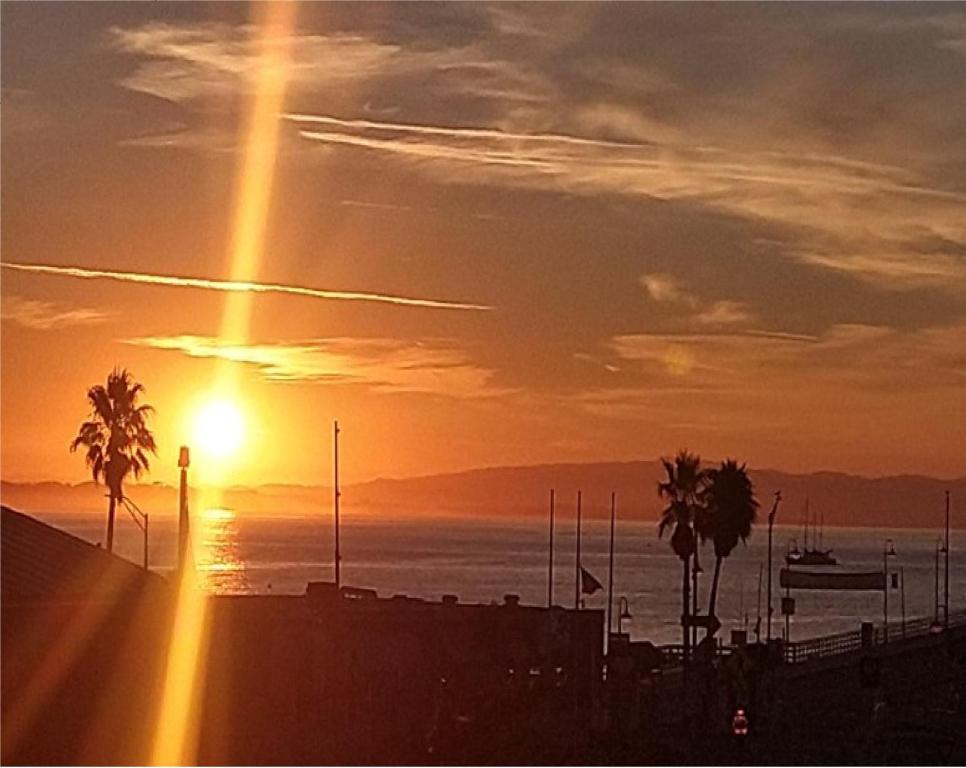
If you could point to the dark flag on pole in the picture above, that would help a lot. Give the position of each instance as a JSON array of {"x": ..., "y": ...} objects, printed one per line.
[{"x": 588, "y": 584}]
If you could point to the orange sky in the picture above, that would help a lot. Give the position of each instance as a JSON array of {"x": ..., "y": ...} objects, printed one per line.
[{"x": 490, "y": 234}]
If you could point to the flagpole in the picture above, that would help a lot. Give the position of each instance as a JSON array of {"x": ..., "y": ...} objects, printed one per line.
[
  {"x": 550, "y": 563},
  {"x": 577, "y": 564},
  {"x": 610, "y": 570}
]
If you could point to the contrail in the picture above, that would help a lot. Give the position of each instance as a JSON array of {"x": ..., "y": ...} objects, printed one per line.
[{"x": 240, "y": 286}]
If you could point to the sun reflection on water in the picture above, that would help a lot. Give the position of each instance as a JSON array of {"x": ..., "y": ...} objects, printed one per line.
[{"x": 219, "y": 562}]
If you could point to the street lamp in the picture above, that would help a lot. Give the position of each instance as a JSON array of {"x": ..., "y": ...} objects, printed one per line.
[
  {"x": 771, "y": 525},
  {"x": 623, "y": 612},
  {"x": 888, "y": 550}
]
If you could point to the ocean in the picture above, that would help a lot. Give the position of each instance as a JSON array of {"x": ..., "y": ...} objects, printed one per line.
[{"x": 481, "y": 560}]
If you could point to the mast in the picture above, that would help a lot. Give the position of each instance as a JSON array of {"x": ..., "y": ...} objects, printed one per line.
[
  {"x": 550, "y": 562},
  {"x": 336, "y": 494}
]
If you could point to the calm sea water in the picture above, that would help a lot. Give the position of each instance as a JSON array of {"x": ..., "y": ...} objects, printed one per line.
[{"x": 482, "y": 560}]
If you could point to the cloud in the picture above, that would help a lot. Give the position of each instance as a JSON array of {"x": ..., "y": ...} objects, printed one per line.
[
  {"x": 665, "y": 288},
  {"x": 240, "y": 286},
  {"x": 45, "y": 316},
  {"x": 724, "y": 313},
  {"x": 182, "y": 62},
  {"x": 840, "y": 213},
  {"x": 757, "y": 363},
  {"x": 386, "y": 365}
]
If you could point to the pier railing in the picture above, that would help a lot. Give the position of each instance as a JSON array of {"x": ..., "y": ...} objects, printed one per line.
[
  {"x": 848, "y": 642},
  {"x": 835, "y": 645}
]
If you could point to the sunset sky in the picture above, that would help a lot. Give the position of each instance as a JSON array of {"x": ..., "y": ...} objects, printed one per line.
[{"x": 493, "y": 234}]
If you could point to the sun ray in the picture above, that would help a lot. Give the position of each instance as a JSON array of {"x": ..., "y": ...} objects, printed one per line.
[{"x": 176, "y": 731}]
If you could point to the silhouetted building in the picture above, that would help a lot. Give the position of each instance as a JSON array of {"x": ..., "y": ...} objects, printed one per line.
[{"x": 325, "y": 677}]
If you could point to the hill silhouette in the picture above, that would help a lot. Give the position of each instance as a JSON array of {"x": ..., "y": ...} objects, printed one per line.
[{"x": 902, "y": 501}]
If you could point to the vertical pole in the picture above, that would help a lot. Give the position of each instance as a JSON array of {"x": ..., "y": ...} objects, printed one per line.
[
  {"x": 771, "y": 525},
  {"x": 550, "y": 561},
  {"x": 336, "y": 494},
  {"x": 694, "y": 592},
  {"x": 758, "y": 620},
  {"x": 183, "y": 532},
  {"x": 610, "y": 570},
  {"x": 946, "y": 570},
  {"x": 146, "y": 519},
  {"x": 902, "y": 597},
  {"x": 788, "y": 616},
  {"x": 577, "y": 562},
  {"x": 935, "y": 590},
  {"x": 885, "y": 593}
]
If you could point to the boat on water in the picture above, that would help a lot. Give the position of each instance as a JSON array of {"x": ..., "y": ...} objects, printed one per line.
[{"x": 811, "y": 555}]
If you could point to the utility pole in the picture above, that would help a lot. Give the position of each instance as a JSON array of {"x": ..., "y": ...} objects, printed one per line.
[
  {"x": 771, "y": 525},
  {"x": 550, "y": 562},
  {"x": 336, "y": 494},
  {"x": 946, "y": 570}
]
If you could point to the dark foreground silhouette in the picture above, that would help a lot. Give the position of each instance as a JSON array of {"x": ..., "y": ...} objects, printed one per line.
[{"x": 346, "y": 677}]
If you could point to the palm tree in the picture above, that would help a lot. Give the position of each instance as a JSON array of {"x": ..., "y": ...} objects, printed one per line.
[
  {"x": 731, "y": 512},
  {"x": 116, "y": 437},
  {"x": 684, "y": 489}
]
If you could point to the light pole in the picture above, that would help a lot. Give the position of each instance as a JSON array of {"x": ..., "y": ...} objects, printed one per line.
[
  {"x": 771, "y": 525},
  {"x": 184, "y": 461},
  {"x": 888, "y": 550},
  {"x": 623, "y": 612}
]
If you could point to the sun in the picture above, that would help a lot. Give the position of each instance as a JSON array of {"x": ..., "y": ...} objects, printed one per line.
[{"x": 219, "y": 429}]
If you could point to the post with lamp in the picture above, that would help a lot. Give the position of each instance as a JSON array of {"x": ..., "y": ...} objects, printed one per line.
[
  {"x": 771, "y": 526},
  {"x": 888, "y": 550},
  {"x": 184, "y": 461},
  {"x": 623, "y": 613}
]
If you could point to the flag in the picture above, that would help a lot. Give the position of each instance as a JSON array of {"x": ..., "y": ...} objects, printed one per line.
[{"x": 588, "y": 584}]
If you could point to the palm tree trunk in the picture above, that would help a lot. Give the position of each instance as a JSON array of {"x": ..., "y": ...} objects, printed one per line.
[
  {"x": 110, "y": 522},
  {"x": 713, "y": 598}
]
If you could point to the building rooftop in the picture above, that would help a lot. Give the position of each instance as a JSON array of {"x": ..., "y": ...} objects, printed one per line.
[{"x": 41, "y": 563}]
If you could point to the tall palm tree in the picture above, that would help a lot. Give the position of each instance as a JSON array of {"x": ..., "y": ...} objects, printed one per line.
[
  {"x": 684, "y": 490},
  {"x": 731, "y": 512},
  {"x": 116, "y": 437}
]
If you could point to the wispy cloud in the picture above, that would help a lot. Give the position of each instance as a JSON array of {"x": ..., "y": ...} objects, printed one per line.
[
  {"x": 844, "y": 213},
  {"x": 665, "y": 288},
  {"x": 724, "y": 313},
  {"x": 45, "y": 315},
  {"x": 240, "y": 286},
  {"x": 389, "y": 365}
]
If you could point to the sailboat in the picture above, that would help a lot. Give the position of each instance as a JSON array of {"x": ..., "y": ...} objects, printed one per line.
[{"x": 814, "y": 555}]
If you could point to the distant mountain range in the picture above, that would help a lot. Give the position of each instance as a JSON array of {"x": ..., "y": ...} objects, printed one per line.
[{"x": 903, "y": 501}]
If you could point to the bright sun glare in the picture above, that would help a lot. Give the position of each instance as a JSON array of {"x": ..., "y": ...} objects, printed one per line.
[{"x": 219, "y": 429}]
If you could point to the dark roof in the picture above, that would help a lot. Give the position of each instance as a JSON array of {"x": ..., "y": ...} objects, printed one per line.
[{"x": 40, "y": 563}]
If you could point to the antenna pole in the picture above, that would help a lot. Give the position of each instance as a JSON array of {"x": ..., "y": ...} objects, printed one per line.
[
  {"x": 577, "y": 563},
  {"x": 336, "y": 494},
  {"x": 610, "y": 573},
  {"x": 550, "y": 561}
]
